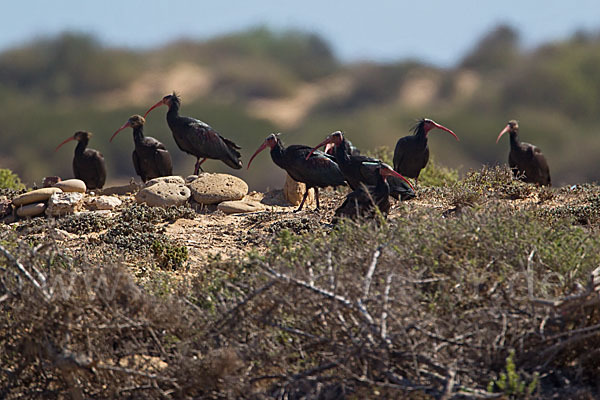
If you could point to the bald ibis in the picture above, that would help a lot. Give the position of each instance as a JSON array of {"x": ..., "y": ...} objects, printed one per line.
[
  {"x": 88, "y": 164},
  {"x": 362, "y": 201},
  {"x": 198, "y": 138},
  {"x": 359, "y": 169},
  {"x": 350, "y": 148},
  {"x": 526, "y": 160},
  {"x": 150, "y": 157},
  {"x": 318, "y": 170},
  {"x": 412, "y": 152}
]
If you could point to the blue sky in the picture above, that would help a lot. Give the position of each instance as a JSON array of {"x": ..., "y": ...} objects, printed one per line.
[{"x": 439, "y": 32}]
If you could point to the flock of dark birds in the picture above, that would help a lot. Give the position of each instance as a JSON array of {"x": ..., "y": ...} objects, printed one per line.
[{"x": 371, "y": 180}]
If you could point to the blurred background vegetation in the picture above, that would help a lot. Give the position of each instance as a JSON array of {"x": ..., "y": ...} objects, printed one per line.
[{"x": 251, "y": 83}]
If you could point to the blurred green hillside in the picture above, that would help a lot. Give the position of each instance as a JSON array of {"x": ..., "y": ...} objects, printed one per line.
[{"x": 252, "y": 83}]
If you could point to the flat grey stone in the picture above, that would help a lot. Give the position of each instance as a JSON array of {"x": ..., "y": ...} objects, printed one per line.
[
  {"x": 71, "y": 185},
  {"x": 35, "y": 196},
  {"x": 236, "y": 206},
  {"x": 31, "y": 210}
]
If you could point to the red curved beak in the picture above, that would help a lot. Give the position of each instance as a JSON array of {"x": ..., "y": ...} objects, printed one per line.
[
  {"x": 323, "y": 143},
  {"x": 506, "y": 129},
  {"x": 119, "y": 130},
  {"x": 390, "y": 172},
  {"x": 160, "y": 103},
  {"x": 66, "y": 141},
  {"x": 261, "y": 148},
  {"x": 445, "y": 129}
]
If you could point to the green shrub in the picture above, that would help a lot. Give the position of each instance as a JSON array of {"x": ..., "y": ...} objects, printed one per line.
[
  {"x": 10, "y": 180},
  {"x": 168, "y": 255},
  {"x": 435, "y": 174},
  {"x": 510, "y": 382}
]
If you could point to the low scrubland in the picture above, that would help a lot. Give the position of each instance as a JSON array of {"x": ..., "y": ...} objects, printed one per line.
[{"x": 481, "y": 287}]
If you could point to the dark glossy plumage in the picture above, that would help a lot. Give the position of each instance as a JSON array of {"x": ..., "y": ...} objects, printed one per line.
[
  {"x": 359, "y": 170},
  {"x": 151, "y": 159},
  {"x": 348, "y": 146},
  {"x": 198, "y": 138},
  {"x": 526, "y": 160},
  {"x": 412, "y": 152},
  {"x": 318, "y": 171},
  {"x": 88, "y": 164},
  {"x": 361, "y": 202}
]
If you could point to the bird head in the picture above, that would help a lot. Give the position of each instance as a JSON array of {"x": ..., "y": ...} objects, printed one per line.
[
  {"x": 512, "y": 126},
  {"x": 425, "y": 125},
  {"x": 134, "y": 121},
  {"x": 79, "y": 136},
  {"x": 271, "y": 141},
  {"x": 333, "y": 139},
  {"x": 168, "y": 100},
  {"x": 385, "y": 170}
]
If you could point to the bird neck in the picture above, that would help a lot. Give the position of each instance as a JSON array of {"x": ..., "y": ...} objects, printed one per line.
[
  {"x": 514, "y": 139},
  {"x": 81, "y": 145},
  {"x": 277, "y": 152},
  {"x": 138, "y": 134},
  {"x": 341, "y": 151},
  {"x": 381, "y": 183},
  {"x": 173, "y": 112},
  {"x": 421, "y": 133}
]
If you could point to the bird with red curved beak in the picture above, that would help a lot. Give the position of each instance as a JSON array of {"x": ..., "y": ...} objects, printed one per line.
[
  {"x": 198, "y": 138},
  {"x": 151, "y": 159},
  {"x": 412, "y": 152},
  {"x": 317, "y": 170},
  {"x": 88, "y": 164},
  {"x": 362, "y": 202},
  {"x": 358, "y": 169},
  {"x": 527, "y": 161}
]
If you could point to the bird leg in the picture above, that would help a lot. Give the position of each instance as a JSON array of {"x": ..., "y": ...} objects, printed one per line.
[
  {"x": 198, "y": 167},
  {"x": 303, "y": 200},
  {"x": 317, "y": 197}
]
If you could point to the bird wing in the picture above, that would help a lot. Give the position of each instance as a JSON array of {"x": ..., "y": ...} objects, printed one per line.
[
  {"x": 209, "y": 143},
  {"x": 163, "y": 161},
  {"x": 136, "y": 164},
  {"x": 320, "y": 169},
  {"x": 100, "y": 168},
  {"x": 399, "y": 153}
]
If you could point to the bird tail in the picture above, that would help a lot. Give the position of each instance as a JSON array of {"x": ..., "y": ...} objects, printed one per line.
[{"x": 233, "y": 155}]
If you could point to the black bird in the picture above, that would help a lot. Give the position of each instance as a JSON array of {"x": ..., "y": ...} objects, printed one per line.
[
  {"x": 526, "y": 160},
  {"x": 318, "y": 170},
  {"x": 151, "y": 158},
  {"x": 198, "y": 138},
  {"x": 88, "y": 164},
  {"x": 412, "y": 152},
  {"x": 359, "y": 170},
  {"x": 361, "y": 203},
  {"x": 348, "y": 146}
]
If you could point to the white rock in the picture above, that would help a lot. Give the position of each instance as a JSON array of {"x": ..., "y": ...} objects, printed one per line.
[
  {"x": 31, "y": 210},
  {"x": 211, "y": 188},
  {"x": 132, "y": 187},
  {"x": 294, "y": 192},
  {"x": 64, "y": 203},
  {"x": 35, "y": 196},
  {"x": 178, "y": 180},
  {"x": 163, "y": 194},
  {"x": 235, "y": 206},
  {"x": 71, "y": 185},
  {"x": 103, "y": 202}
]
